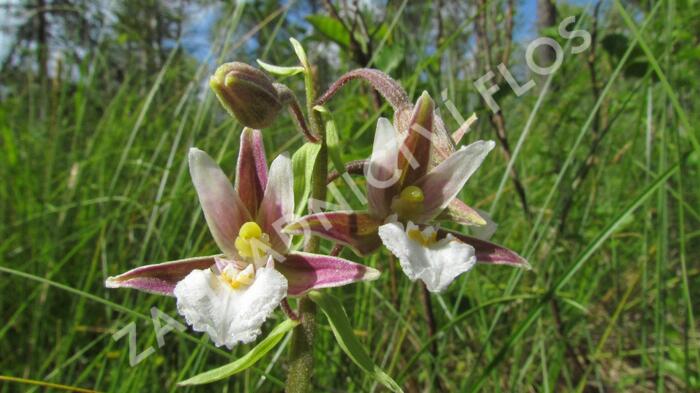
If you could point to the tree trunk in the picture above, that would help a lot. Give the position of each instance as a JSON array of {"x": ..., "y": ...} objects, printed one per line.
[{"x": 546, "y": 17}]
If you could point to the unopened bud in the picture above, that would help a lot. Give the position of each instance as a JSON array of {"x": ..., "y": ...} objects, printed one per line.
[{"x": 247, "y": 94}]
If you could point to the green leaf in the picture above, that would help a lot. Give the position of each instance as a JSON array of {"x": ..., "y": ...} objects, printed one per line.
[
  {"x": 303, "y": 166},
  {"x": 340, "y": 324},
  {"x": 246, "y": 360},
  {"x": 333, "y": 143},
  {"x": 332, "y": 139},
  {"x": 301, "y": 53},
  {"x": 382, "y": 32},
  {"x": 330, "y": 28},
  {"x": 279, "y": 70}
]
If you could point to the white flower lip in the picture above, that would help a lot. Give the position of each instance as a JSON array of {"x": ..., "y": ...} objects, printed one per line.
[
  {"x": 229, "y": 315},
  {"x": 437, "y": 264}
]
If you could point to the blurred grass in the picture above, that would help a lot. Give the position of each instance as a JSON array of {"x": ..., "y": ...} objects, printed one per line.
[{"x": 96, "y": 182}]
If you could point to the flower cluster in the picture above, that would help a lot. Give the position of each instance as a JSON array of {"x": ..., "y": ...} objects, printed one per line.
[
  {"x": 231, "y": 294},
  {"x": 409, "y": 187},
  {"x": 413, "y": 176}
]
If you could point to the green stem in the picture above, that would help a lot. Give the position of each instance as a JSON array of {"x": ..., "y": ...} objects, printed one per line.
[{"x": 301, "y": 353}]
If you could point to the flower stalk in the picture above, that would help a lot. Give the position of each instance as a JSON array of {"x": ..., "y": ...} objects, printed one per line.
[
  {"x": 287, "y": 97},
  {"x": 301, "y": 353}
]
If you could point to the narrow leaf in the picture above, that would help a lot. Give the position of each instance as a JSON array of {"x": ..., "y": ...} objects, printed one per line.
[
  {"x": 330, "y": 28},
  {"x": 303, "y": 166},
  {"x": 246, "y": 360},
  {"x": 340, "y": 324},
  {"x": 301, "y": 53},
  {"x": 280, "y": 70},
  {"x": 670, "y": 90},
  {"x": 332, "y": 140},
  {"x": 333, "y": 143}
]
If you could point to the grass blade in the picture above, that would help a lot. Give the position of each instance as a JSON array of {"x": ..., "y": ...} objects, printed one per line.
[
  {"x": 682, "y": 116},
  {"x": 246, "y": 360},
  {"x": 587, "y": 253},
  {"x": 340, "y": 324}
]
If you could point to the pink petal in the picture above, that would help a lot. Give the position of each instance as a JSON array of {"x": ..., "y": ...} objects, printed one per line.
[
  {"x": 490, "y": 253},
  {"x": 443, "y": 183},
  {"x": 414, "y": 158},
  {"x": 305, "y": 272},
  {"x": 277, "y": 208},
  {"x": 251, "y": 171},
  {"x": 358, "y": 230},
  {"x": 381, "y": 172},
  {"x": 222, "y": 208},
  {"x": 160, "y": 278}
]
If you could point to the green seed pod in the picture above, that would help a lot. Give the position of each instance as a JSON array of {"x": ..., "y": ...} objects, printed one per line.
[{"x": 247, "y": 94}]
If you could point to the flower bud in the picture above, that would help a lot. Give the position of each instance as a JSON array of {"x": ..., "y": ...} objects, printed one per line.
[{"x": 247, "y": 94}]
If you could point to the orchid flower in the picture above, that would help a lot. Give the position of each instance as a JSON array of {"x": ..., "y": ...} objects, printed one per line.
[
  {"x": 230, "y": 295},
  {"x": 411, "y": 184}
]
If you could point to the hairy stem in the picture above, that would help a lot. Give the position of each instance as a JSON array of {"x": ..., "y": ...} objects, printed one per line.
[
  {"x": 301, "y": 353},
  {"x": 381, "y": 82}
]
